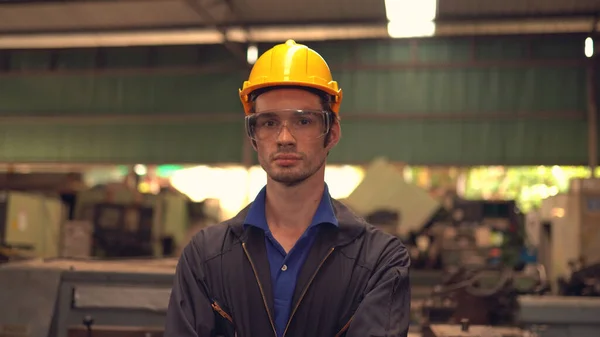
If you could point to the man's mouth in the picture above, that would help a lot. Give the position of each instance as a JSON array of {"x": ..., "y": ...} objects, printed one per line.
[
  {"x": 286, "y": 159},
  {"x": 287, "y": 156}
]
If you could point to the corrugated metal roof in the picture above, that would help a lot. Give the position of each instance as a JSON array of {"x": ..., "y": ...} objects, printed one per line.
[
  {"x": 478, "y": 8},
  {"x": 94, "y": 15},
  {"x": 335, "y": 11},
  {"x": 139, "y": 14},
  {"x": 257, "y": 11}
]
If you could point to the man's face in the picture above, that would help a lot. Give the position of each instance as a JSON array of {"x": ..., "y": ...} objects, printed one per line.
[{"x": 288, "y": 157}]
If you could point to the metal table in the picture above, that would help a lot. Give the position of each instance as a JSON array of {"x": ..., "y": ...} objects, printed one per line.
[
  {"x": 560, "y": 316},
  {"x": 53, "y": 298},
  {"x": 130, "y": 298}
]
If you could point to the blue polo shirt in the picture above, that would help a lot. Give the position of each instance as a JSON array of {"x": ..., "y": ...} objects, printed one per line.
[{"x": 286, "y": 267}]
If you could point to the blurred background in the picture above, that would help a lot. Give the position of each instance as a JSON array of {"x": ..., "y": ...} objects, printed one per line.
[{"x": 470, "y": 130}]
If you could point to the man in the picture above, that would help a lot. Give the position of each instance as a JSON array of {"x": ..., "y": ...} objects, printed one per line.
[{"x": 294, "y": 263}]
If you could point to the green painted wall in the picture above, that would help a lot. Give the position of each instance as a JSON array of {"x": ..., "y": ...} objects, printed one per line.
[
  {"x": 117, "y": 94},
  {"x": 434, "y": 101},
  {"x": 465, "y": 142},
  {"x": 122, "y": 112},
  {"x": 140, "y": 142}
]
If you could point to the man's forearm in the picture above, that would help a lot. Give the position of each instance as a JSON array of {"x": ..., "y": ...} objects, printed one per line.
[
  {"x": 385, "y": 309},
  {"x": 190, "y": 313}
]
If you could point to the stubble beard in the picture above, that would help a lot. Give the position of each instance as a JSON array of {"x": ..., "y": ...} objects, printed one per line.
[{"x": 292, "y": 176}]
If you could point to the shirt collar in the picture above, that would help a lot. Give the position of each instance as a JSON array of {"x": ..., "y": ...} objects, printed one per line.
[{"x": 256, "y": 213}]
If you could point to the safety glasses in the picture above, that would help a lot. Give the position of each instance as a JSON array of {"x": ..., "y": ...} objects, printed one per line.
[{"x": 302, "y": 124}]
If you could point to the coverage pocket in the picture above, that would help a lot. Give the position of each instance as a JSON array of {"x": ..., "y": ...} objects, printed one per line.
[
  {"x": 223, "y": 321},
  {"x": 343, "y": 330}
]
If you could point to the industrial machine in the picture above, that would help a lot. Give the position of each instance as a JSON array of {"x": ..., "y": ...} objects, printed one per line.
[
  {"x": 69, "y": 297},
  {"x": 566, "y": 233},
  {"x": 385, "y": 197},
  {"x": 505, "y": 297},
  {"x": 483, "y": 295},
  {"x": 123, "y": 223},
  {"x": 465, "y": 329},
  {"x": 560, "y": 316},
  {"x": 29, "y": 225},
  {"x": 583, "y": 281},
  {"x": 127, "y": 223},
  {"x": 439, "y": 233},
  {"x": 470, "y": 233},
  {"x": 76, "y": 239},
  {"x": 122, "y": 230},
  {"x": 569, "y": 229},
  {"x": 83, "y": 295}
]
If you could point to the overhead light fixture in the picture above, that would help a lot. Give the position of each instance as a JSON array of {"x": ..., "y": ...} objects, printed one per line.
[
  {"x": 413, "y": 10},
  {"x": 400, "y": 29},
  {"x": 589, "y": 47},
  {"x": 411, "y": 18},
  {"x": 140, "y": 169},
  {"x": 252, "y": 54}
]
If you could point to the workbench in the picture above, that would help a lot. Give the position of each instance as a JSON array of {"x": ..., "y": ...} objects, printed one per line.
[
  {"x": 561, "y": 316},
  {"x": 54, "y": 298}
]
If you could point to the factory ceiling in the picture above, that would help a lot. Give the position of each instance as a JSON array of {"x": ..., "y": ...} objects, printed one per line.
[{"x": 218, "y": 21}]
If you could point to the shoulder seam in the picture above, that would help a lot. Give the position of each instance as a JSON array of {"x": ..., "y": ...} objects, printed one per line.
[
  {"x": 222, "y": 251},
  {"x": 358, "y": 262}
]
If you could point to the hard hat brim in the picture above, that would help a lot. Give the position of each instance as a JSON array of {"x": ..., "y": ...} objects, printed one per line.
[
  {"x": 245, "y": 93},
  {"x": 248, "y": 90}
]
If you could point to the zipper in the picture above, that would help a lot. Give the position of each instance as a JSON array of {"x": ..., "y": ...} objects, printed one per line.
[
  {"x": 306, "y": 289},
  {"x": 345, "y": 328},
  {"x": 262, "y": 292},
  {"x": 216, "y": 307}
]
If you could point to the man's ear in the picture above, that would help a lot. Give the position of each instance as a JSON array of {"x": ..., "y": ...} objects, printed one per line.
[{"x": 335, "y": 133}]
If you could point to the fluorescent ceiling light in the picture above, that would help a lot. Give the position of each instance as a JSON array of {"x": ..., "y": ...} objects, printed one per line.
[
  {"x": 413, "y": 10},
  {"x": 398, "y": 29},
  {"x": 410, "y": 18},
  {"x": 252, "y": 54},
  {"x": 589, "y": 47}
]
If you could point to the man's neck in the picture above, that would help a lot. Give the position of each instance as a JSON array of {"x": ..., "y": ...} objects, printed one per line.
[{"x": 291, "y": 208}]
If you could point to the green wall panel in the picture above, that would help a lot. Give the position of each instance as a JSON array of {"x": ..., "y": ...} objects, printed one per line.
[
  {"x": 502, "y": 49},
  {"x": 443, "y": 51},
  {"x": 174, "y": 142},
  {"x": 365, "y": 91},
  {"x": 464, "y": 143},
  {"x": 541, "y": 89},
  {"x": 481, "y": 100},
  {"x": 120, "y": 94},
  {"x": 383, "y": 52}
]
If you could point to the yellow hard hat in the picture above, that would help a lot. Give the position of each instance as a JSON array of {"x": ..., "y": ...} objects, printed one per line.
[{"x": 290, "y": 64}]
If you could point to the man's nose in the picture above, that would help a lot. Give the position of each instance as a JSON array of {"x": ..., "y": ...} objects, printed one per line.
[{"x": 285, "y": 136}]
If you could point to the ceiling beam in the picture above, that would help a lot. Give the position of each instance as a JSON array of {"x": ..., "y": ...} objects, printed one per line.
[
  {"x": 235, "y": 37},
  {"x": 207, "y": 17},
  {"x": 515, "y": 16}
]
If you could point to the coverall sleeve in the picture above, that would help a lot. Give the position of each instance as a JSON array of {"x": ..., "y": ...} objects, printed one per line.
[
  {"x": 189, "y": 313},
  {"x": 385, "y": 308}
]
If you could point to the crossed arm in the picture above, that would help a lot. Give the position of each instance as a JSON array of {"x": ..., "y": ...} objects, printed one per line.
[
  {"x": 190, "y": 313},
  {"x": 385, "y": 309}
]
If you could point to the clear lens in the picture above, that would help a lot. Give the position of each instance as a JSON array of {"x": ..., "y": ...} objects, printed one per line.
[{"x": 302, "y": 124}]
